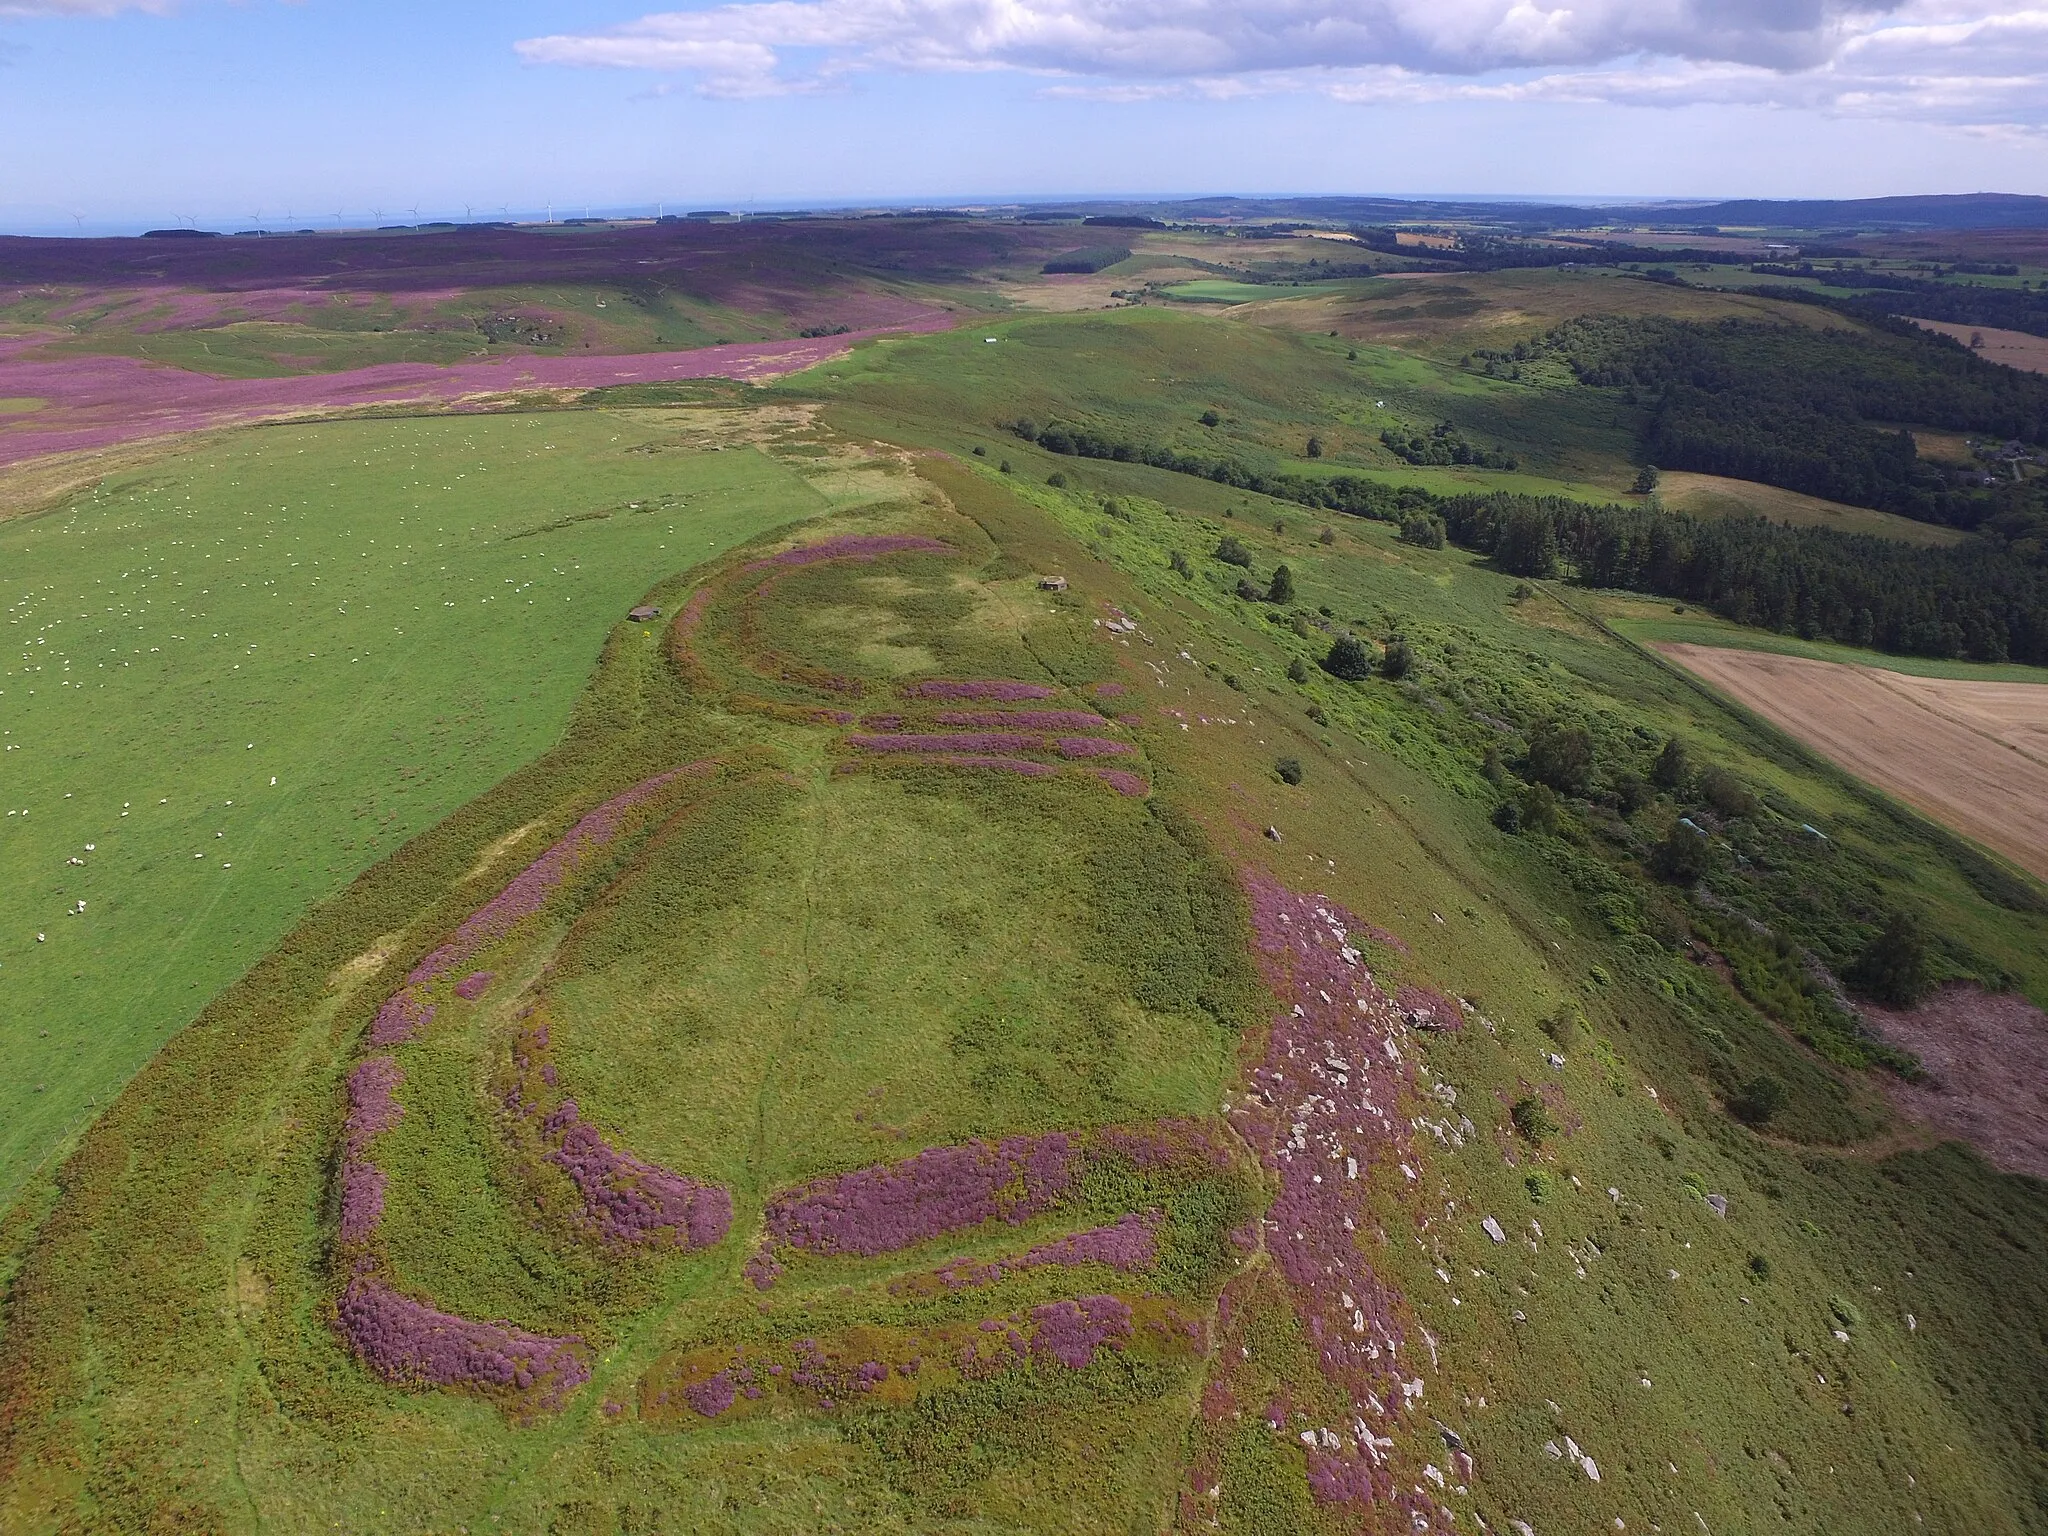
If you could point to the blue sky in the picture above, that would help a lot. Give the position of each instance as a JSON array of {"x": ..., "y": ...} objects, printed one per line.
[{"x": 126, "y": 115}]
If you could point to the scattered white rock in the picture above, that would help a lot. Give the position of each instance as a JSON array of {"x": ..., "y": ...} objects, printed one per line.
[
  {"x": 1718, "y": 1204},
  {"x": 1490, "y": 1226}
]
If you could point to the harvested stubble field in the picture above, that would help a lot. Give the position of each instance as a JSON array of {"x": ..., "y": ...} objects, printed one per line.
[
  {"x": 2015, "y": 349},
  {"x": 1973, "y": 755}
]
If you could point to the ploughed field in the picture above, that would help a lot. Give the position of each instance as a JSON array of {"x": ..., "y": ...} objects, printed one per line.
[{"x": 1971, "y": 754}]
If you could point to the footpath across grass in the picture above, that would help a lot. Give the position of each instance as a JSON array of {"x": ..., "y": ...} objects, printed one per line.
[{"x": 241, "y": 676}]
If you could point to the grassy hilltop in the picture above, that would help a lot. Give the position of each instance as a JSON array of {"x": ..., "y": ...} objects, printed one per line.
[{"x": 898, "y": 1046}]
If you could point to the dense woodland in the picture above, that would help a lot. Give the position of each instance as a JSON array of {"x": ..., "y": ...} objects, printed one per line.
[
  {"x": 1973, "y": 600},
  {"x": 1816, "y": 411}
]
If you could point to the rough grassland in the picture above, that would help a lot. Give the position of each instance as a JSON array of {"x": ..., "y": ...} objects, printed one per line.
[
  {"x": 1443, "y": 314},
  {"x": 1971, "y": 754},
  {"x": 1718, "y": 496},
  {"x": 247, "y": 673}
]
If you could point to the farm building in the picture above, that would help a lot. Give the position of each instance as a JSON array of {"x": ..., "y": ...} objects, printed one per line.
[
  {"x": 1052, "y": 583},
  {"x": 644, "y": 615}
]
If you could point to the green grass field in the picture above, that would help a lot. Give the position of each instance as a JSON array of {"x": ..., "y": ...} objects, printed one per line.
[
  {"x": 254, "y": 669},
  {"x": 347, "y": 331}
]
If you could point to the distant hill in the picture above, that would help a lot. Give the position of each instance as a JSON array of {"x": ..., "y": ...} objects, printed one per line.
[
  {"x": 1970, "y": 210},
  {"x": 1973, "y": 210}
]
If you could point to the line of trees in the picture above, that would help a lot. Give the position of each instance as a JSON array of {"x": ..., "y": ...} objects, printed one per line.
[
  {"x": 1977, "y": 600},
  {"x": 1973, "y": 600}
]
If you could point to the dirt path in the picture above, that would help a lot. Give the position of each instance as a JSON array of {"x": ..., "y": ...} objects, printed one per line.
[{"x": 1973, "y": 755}]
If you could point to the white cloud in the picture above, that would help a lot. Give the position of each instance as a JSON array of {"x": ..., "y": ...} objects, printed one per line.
[
  {"x": 20, "y": 10},
  {"x": 1943, "y": 60}
]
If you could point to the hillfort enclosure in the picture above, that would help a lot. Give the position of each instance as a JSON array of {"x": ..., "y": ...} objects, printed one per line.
[{"x": 1323, "y": 866}]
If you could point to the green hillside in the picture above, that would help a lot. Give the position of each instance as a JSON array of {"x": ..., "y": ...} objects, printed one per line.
[{"x": 1002, "y": 1012}]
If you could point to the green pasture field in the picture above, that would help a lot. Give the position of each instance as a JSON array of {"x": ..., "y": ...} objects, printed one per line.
[
  {"x": 288, "y": 651},
  {"x": 349, "y": 332},
  {"x": 262, "y": 349},
  {"x": 1153, "y": 372},
  {"x": 20, "y": 405}
]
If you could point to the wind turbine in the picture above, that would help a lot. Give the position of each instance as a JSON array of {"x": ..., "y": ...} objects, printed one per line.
[
  {"x": 468, "y": 213},
  {"x": 377, "y": 214},
  {"x": 79, "y": 220},
  {"x": 415, "y": 214}
]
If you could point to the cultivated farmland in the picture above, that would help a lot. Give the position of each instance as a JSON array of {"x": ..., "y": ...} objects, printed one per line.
[{"x": 1971, "y": 754}]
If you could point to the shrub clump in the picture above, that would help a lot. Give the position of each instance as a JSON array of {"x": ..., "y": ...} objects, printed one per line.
[
  {"x": 1423, "y": 530},
  {"x": 1231, "y": 551},
  {"x": 1532, "y": 1120},
  {"x": 1759, "y": 1101},
  {"x": 1894, "y": 967},
  {"x": 1348, "y": 661}
]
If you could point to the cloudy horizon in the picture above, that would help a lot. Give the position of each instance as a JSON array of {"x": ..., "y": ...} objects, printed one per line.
[{"x": 206, "y": 111}]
